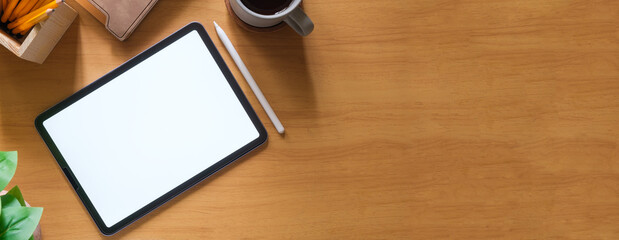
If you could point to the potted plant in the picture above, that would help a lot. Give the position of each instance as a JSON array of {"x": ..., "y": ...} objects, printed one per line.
[{"x": 18, "y": 221}]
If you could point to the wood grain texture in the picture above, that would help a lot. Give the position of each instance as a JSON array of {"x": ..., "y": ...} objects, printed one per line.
[
  {"x": 425, "y": 119},
  {"x": 92, "y": 10}
]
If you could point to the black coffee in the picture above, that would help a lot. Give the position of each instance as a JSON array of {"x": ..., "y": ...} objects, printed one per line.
[{"x": 266, "y": 7}]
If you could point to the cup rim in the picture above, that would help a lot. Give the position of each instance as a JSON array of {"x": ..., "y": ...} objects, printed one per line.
[{"x": 292, "y": 6}]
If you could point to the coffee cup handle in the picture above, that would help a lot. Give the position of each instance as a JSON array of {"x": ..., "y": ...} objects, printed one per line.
[{"x": 300, "y": 22}]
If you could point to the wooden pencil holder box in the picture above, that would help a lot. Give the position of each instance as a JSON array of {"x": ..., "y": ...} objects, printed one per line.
[{"x": 42, "y": 39}]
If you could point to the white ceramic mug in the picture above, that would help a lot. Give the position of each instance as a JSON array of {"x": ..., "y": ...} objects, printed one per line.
[{"x": 293, "y": 15}]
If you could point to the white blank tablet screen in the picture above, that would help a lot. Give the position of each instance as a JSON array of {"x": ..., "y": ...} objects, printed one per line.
[{"x": 150, "y": 129}]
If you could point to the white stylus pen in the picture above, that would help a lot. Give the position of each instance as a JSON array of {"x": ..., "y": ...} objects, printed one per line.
[{"x": 250, "y": 80}]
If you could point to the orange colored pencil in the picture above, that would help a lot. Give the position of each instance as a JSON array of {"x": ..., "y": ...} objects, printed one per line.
[
  {"x": 26, "y": 26},
  {"x": 9, "y": 10},
  {"x": 34, "y": 13},
  {"x": 22, "y": 8},
  {"x": 48, "y": 5},
  {"x": 40, "y": 3}
]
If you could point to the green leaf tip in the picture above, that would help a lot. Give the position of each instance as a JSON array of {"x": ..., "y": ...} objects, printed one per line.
[
  {"x": 13, "y": 198},
  {"x": 8, "y": 164}
]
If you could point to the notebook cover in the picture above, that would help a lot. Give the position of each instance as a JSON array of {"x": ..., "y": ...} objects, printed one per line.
[{"x": 120, "y": 17}]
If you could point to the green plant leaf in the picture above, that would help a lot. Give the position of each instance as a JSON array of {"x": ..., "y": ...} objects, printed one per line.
[
  {"x": 9, "y": 201},
  {"x": 8, "y": 164},
  {"x": 15, "y": 192},
  {"x": 18, "y": 223},
  {"x": 12, "y": 198}
]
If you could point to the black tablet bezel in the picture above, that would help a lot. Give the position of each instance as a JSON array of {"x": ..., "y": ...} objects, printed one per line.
[{"x": 194, "y": 26}]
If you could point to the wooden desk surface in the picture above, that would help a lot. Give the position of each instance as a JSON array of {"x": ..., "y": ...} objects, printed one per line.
[{"x": 405, "y": 119}]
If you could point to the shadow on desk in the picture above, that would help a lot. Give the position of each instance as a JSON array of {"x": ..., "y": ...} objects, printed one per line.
[
  {"x": 28, "y": 88},
  {"x": 281, "y": 68}
]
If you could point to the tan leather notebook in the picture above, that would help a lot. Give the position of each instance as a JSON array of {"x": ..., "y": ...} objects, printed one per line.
[{"x": 120, "y": 17}]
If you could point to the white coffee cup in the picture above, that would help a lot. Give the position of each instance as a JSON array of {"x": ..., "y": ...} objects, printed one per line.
[{"x": 293, "y": 15}]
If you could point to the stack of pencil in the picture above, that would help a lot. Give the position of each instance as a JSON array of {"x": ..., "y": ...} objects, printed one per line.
[{"x": 19, "y": 16}]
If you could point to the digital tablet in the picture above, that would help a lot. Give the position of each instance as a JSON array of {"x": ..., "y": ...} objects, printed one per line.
[{"x": 150, "y": 129}]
